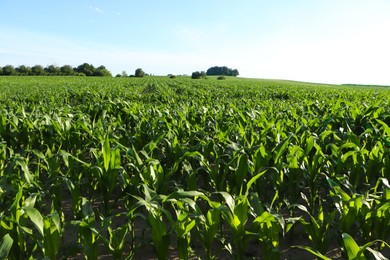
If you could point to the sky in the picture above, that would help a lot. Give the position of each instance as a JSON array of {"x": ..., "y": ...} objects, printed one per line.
[{"x": 324, "y": 41}]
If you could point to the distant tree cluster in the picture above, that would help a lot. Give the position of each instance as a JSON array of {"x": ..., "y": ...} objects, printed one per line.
[
  {"x": 198, "y": 74},
  {"x": 222, "y": 71},
  {"x": 139, "y": 73},
  {"x": 84, "y": 69}
]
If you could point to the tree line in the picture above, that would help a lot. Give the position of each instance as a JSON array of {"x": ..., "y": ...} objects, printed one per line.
[
  {"x": 84, "y": 69},
  {"x": 215, "y": 71},
  {"x": 87, "y": 69},
  {"x": 222, "y": 71}
]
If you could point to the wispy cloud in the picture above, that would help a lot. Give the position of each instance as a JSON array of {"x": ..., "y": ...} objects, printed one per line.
[{"x": 96, "y": 9}]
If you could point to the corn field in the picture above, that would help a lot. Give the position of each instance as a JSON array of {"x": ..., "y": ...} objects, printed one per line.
[{"x": 236, "y": 169}]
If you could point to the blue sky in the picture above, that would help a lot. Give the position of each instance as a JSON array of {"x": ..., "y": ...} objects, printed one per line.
[{"x": 330, "y": 41}]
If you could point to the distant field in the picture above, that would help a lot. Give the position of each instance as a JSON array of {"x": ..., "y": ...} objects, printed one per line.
[
  {"x": 164, "y": 168},
  {"x": 366, "y": 86}
]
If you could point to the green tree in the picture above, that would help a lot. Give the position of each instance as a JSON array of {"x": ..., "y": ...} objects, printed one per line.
[
  {"x": 102, "y": 72},
  {"x": 67, "y": 70},
  {"x": 38, "y": 70},
  {"x": 198, "y": 75},
  {"x": 139, "y": 73},
  {"x": 222, "y": 71},
  {"x": 53, "y": 70},
  {"x": 24, "y": 70},
  {"x": 9, "y": 70},
  {"x": 1, "y": 70},
  {"x": 86, "y": 69}
]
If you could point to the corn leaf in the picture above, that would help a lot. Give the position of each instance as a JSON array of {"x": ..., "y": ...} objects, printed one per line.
[
  {"x": 36, "y": 218},
  {"x": 5, "y": 246},
  {"x": 353, "y": 250},
  {"x": 314, "y": 252}
]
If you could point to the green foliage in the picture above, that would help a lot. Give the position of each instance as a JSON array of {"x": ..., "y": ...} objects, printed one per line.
[
  {"x": 67, "y": 70},
  {"x": 5, "y": 246},
  {"x": 110, "y": 166},
  {"x": 355, "y": 252},
  {"x": 198, "y": 75},
  {"x": 8, "y": 70},
  {"x": 24, "y": 70},
  {"x": 139, "y": 73},
  {"x": 38, "y": 70},
  {"x": 53, "y": 70},
  {"x": 216, "y": 70},
  {"x": 101, "y": 71},
  {"x": 84, "y": 69}
]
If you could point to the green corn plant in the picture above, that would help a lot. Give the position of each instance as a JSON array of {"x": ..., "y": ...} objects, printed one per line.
[
  {"x": 355, "y": 252},
  {"x": 18, "y": 225},
  {"x": 87, "y": 231},
  {"x": 49, "y": 228},
  {"x": 160, "y": 234},
  {"x": 73, "y": 179},
  {"x": 319, "y": 228},
  {"x": 147, "y": 170},
  {"x": 14, "y": 225},
  {"x": 209, "y": 228},
  {"x": 267, "y": 225},
  {"x": 51, "y": 164},
  {"x": 116, "y": 241},
  {"x": 107, "y": 170},
  {"x": 267, "y": 229},
  {"x": 182, "y": 229},
  {"x": 75, "y": 192},
  {"x": 187, "y": 213},
  {"x": 353, "y": 159},
  {"x": 236, "y": 214},
  {"x": 52, "y": 235},
  {"x": 182, "y": 161},
  {"x": 348, "y": 207},
  {"x": 156, "y": 217},
  {"x": 24, "y": 171},
  {"x": 214, "y": 162},
  {"x": 376, "y": 212},
  {"x": 314, "y": 165},
  {"x": 3, "y": 156}
]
